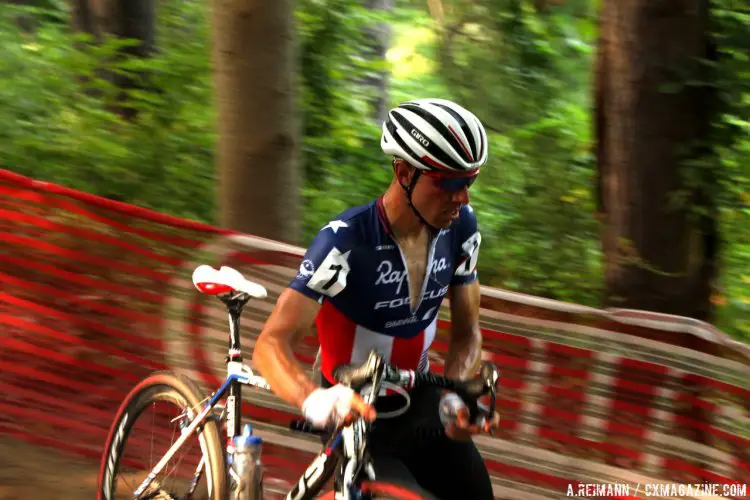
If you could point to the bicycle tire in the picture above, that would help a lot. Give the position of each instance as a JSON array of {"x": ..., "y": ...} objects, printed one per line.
[
  {"x": 158, "y": 387},
  {"x": 386, "y": 490}
]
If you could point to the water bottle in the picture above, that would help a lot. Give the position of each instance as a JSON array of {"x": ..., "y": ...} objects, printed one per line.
[{"x": 247, "y": 466}]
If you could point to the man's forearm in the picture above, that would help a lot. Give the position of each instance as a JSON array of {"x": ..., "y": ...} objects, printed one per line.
[
  {"x": 286, "y": 376},
  {"x": 463, "y": 354}
]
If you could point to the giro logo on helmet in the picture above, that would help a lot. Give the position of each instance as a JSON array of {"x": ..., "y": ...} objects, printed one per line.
[{"x": 420, "y": 137}]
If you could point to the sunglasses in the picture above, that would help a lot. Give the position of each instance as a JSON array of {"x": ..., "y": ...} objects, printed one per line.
[{"x": 450, "y": 183}]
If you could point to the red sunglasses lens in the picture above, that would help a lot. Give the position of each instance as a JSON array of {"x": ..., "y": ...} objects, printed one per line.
[{"x": 453, "y": 184}]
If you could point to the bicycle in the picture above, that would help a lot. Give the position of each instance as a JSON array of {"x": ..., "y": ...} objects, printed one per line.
[{"x": 345, "y": 454}]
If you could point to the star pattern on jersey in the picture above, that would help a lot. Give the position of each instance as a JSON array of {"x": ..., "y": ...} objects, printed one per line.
[{"x": 335, "y": 225}]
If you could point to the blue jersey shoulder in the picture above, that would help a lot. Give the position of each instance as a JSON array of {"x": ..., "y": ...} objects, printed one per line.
[
  {"x": 325, "y": 266},
  {"x": 357, "y": 265}
]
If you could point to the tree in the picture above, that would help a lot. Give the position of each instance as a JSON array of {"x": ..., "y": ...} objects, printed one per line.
[
  {"x": 656, "y": 174},
  {"x": 379, "y": 35},
  {"x": 127, "y": 20},
  {"x": 258, "y": 138},
  {"x": 84, "y": 18}
]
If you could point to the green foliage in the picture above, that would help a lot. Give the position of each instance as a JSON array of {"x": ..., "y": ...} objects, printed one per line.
[
  {"x": 343, "y": 163},
  {"x": 533, "y": 93},
  {"x": 732, "y": 146},
  {"x": 525, "y": 73},
  {"x": 57, "y": 124}
]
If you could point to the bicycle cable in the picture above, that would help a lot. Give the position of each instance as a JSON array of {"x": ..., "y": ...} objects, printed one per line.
[{"x": 396, "y": 388}]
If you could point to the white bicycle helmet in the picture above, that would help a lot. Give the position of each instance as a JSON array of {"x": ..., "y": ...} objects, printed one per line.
[{"x": 435, "y": 135}]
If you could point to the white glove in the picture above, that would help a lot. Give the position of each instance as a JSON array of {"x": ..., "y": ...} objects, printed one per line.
[
  {"x": 451, "y": 403},
  {"x": 449, "y": 406},
  {"x": 325, "y": 407}
]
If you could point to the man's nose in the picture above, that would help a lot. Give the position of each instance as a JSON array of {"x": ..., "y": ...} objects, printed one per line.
[{"x": 461, "y": 196}]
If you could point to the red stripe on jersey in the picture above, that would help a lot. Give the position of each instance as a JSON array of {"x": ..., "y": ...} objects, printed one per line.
[
  {"x": 336, "y": 337},
  {"x": 407, "y": 352}
]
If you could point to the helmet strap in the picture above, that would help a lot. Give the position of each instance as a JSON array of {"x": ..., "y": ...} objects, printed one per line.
[{"x": 408, "y": 190}]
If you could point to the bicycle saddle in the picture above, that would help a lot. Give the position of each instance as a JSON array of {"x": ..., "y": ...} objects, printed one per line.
[{"x": 224, "y": 280}]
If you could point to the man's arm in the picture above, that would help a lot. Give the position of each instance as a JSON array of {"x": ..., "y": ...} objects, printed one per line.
[
  {"x": 273, "y": 356},
  {"x": 466, "y": 339},
  {"x": 464, "y": 354}
]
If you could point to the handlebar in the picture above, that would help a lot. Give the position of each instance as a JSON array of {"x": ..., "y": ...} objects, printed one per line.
[{"x": 375, "y": 371}]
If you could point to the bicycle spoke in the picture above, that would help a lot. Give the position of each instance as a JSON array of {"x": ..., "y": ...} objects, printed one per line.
[
  {"x": 181, "y": 474},
  {"x": 176, "y": 467}
]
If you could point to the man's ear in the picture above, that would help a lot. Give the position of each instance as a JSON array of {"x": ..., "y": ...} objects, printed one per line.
[{"x": 403, "y": 171}]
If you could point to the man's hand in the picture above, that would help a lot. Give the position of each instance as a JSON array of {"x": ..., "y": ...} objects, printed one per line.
[
  {"x": 334, "y": 406},
  {"x": 455, "y": 416},
  {"x": 358, "y": 408}
]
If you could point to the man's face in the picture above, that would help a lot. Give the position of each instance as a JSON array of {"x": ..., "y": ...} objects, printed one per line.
[{"x": 439, "y": 197}]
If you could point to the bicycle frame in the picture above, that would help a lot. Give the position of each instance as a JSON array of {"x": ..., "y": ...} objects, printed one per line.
[{"x": 239, "y": 374}]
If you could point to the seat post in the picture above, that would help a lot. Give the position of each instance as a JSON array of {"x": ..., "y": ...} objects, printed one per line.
[{"x": 234, "y": 304}]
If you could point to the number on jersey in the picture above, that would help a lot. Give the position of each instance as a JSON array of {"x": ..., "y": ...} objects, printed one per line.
[
  {"x": 330, "y": 278},
  {"x": 471, "y": 250}
]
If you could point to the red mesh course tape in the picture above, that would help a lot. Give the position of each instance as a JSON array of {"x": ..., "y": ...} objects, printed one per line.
[{"x": 96, "y": 294}]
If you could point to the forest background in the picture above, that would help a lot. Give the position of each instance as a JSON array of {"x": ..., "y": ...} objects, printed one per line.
[{"x": 124, "y": 99}]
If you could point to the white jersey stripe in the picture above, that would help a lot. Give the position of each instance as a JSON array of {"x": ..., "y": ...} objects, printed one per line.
[
  {"x": 429, "y": 336},
  {"x": 366, "y": 340}
]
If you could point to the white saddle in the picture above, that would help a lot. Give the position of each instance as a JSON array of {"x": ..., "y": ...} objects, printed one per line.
[{"x": 225, "y": 280}]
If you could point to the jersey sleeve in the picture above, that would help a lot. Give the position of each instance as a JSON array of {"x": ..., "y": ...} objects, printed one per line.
[
  {"x": 468, "y": 240},
  {"x": 325, "y": 266}
]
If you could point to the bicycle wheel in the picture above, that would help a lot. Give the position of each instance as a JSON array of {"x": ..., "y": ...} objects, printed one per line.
[
  {"x": 148, "y": 422},
  {"x": 382, "y": 490}
]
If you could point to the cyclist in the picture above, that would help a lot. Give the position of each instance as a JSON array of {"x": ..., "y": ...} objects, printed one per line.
[{"x": 374, "y": 278}]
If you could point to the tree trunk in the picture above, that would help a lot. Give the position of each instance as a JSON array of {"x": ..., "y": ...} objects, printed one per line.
[
  {"x": 123, "y": 18},
  {"x": 437, "y": 11},
  {"x": 660, "y": 253},
  {"x": 258, "y": 139},
  {"x": 131, "y": 19},
  {"x": 134, "y": 19},
  {"x": 379, "y": 36},
  {"x": 86, "y": 18}
]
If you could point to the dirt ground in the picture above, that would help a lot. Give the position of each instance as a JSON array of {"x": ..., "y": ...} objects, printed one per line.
[{"x": 30, "y": 472}]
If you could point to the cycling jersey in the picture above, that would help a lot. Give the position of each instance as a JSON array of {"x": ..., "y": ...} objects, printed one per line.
[{"x": 356, "y": 270}]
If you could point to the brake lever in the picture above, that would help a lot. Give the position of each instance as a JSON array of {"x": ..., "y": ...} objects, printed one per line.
[
  {"x": 357, "y": 376},
  {"x": 471, "y": 390},
  {"x": 490, "y": 375}
]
